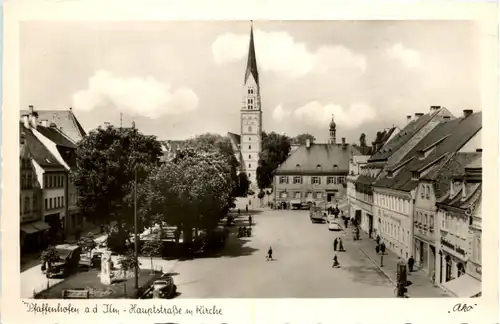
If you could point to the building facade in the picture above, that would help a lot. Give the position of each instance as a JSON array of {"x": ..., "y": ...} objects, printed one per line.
[
  {"x": 459, "y": 212},
  {"x": 250, "y": 144},
  {"x": 314, "y": 173}
]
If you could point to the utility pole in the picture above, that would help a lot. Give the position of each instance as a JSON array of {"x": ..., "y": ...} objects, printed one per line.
[{"x": 136, "y": 245}]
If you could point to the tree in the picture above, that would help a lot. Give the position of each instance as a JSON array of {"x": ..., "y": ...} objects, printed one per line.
[
  {"x": 192, "y": 191},
  {"x": 49, "y": 256},
  {"x": 87, "y": 244},
  {"x": 107, "y": 159},
  {"x": 152, "y": 248},
  {"x": 275, "y": 150},
  {"x": 261, "y": 195},
  {"x": 301, "y": 139},
  {"x": 243, "y": 185},
  {"x": 127, "y": 262}
]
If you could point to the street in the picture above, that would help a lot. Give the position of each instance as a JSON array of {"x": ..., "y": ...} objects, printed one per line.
[{"x": 302, "y": 269}]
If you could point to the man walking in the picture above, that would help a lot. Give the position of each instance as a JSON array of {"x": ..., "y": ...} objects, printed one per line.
[
  {"x": 270, "y": 254},
  {"x": 411, "y": 262},
  {"x": 335, "y": 242}
]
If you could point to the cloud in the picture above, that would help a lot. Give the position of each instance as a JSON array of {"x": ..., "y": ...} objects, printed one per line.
[
  {"x": 143, "y": 96},
  {"x": 279, "y": 52},
  {"x": 279, "y": 114},
  {"x": 318, "y": 115},
  {"x": 409, "y": 57}
]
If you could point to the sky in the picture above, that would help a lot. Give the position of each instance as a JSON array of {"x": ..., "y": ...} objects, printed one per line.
[{"x": 179, "y": 79}]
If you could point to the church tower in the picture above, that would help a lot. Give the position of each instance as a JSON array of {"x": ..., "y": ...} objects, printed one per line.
[
  {"x": 333, "y": 131},
  {"x": 251, "y": 116}
]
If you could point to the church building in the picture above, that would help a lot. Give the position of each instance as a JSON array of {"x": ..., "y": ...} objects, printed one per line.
[{"x": 248, "y": 144}]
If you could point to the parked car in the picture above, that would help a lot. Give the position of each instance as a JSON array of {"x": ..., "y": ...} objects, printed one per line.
[
  {"x": 69, "y": 259},
  {"x": 334, "y": 226},
  {"x": 164, "y": 287}
]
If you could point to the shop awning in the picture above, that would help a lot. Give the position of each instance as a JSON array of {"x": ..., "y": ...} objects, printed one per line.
[
  {"x": 296, "y": 201},
  {"x": 463, "y": 286},
  {"x": 29, "y": 229},
  {"x": 41, "y": 225}
]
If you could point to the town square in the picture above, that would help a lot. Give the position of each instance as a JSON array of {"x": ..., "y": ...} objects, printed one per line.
[{"x": 148, "y": 190}]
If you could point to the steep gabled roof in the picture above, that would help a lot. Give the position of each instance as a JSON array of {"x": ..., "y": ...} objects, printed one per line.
[
  {"x": 402, "y": 137},
  {"x": 327, "y": 156},
  {"x": 251, "y": 61},
  {"x": 65, "y": 120},
  {"x": 56, "y": 136},
  {"x": 41, "y": 154},
  {"x": 456, "y": 133}
]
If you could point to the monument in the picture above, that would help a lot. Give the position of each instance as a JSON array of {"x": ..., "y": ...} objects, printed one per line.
[{"x": 106, "y": 268}]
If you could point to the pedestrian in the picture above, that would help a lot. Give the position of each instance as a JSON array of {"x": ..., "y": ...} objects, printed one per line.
[
  {"x": 346, "y": 222},
  {"x": 269, "y": 254},
  {"x": 335, "y": 243},
  {"x": 341, "y": 246},
  {"x": 377, "y": 248},
  {"x": 370, "y": 233},
  {"x": 378, "y": 239},
  {"x": 249, "y": 220},
  {"x": 382, "y": 247},
  {"x": 336, "y": 263},
  {"x": 239, "y": 211},
  {"x": 411, "y": 262}
]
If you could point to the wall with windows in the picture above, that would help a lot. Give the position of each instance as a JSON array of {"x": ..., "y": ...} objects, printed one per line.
[
  {"x": 30, "y": 193},
  {"x": 54, "y": 193},
  {"x": 308, "y": 187},
  {"x": 393, "y": 212},
  {"x": 474, "y": 263}
]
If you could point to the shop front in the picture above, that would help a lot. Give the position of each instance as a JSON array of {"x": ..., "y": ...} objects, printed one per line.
[{"x": 34, "y": 236}]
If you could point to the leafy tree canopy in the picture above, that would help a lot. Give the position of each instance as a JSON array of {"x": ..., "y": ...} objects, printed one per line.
[
  {"x": 275, "y": 150},
  {"x": 301, "y": 139},
  {"x": 104, "y": 173}
]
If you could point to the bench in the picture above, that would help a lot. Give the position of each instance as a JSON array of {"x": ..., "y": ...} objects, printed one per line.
[{"x": 75, "y": 294}]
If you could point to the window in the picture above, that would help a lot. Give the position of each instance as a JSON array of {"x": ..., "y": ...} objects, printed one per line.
[
  {"x": 29, "y": 184},
  {"x": 250, "y": 101},
  {"x": 249, "y": 165},
  {"x": 427, "y": 192},
  {"x": 249, "y": 147},
  {"x": 249, "y": 174},
  {"x": 35, "y": 203},
  {"x": 50, "y": 181},
  {"x": 297, "y": 194},
  {"x": 335, "y": 168},
  {"x": 23, "y": 182},
  {"x": 62, "y": 201},
  {"x": 250, "y": 107},
  {"x": 249, "y": 156},
  {"x": 249, "y": 138},
  {"x": 250, "y": 91},
  {"x": 46, "y": 204},
  {"x": 309, "y": 195},
  {"x": 330, "y": 180},
  {"x": 50, "y": 203},
  {"x": 283, "y": 179},
  {"x": 425, "y": 220},
  {"x": 297, "y": 180},
  {"x": 315, "y": 180},
  {"x": 283, "y": 194},
  {"x": 318, "y": 167},
  {"x": 319, "y": 195},
  {"x": 249, "y": 128}
]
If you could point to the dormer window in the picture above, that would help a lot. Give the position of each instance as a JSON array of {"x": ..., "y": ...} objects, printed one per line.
[
  {"x": 415, "y": 175},
  {"x": 297, "y": 167},
  {"x": 318, "y": 167},
  {"x": 390, "y": 174},
  {"x": 421, "y": 154},
  {"x": 335, "y": 167}
]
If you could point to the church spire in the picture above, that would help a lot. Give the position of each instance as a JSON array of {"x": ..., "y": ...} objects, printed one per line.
[{"x": 252, "y": 60}]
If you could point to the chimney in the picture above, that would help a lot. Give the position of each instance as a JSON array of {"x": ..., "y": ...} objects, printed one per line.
[
  {"x": 468, "y": 112},
  {"x": 45, "y": 123},
  {"x": 308, "y": 143},
  {"x": 408, "y": 119},
  {"x": 26, "y": 121},
  {"x": 435, "y": 108},
  {"x": 30, "y": 109},
  {"x": 418, "y": 115}
]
